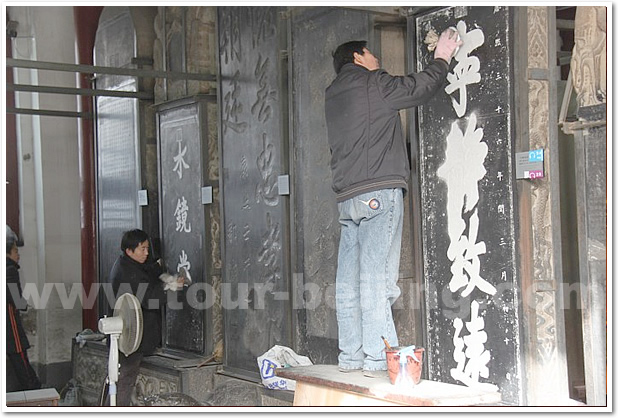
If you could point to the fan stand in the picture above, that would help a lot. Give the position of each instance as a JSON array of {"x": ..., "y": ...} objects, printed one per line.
[
  {"x": 112, "y": 368},
  {"x": 114, "y": 327}
]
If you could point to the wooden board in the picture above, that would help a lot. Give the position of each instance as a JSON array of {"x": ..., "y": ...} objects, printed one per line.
[
  {"x": 318, "y": 380},
  {"x": 308, "y": 394}
]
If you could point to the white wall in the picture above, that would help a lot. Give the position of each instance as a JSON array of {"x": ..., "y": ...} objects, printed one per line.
[{"x": 49, "y": 179}]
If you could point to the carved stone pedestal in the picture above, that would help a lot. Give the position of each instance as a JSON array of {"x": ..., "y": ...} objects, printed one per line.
[
  {"x": 161, "y": 374},
  {"x": 158, "y": 374}
]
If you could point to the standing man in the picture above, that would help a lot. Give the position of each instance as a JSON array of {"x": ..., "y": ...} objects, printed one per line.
[
  {"x": 17, "y": 343},
  {"x": 370, "y": 168},
  {"x": 136, "y": 273}
]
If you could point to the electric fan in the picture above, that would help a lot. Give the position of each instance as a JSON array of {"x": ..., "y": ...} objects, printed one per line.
[{"x": 125, "y": 333}]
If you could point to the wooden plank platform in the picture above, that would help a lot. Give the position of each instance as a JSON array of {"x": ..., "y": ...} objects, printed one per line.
[{"x": 325, "y": 385}]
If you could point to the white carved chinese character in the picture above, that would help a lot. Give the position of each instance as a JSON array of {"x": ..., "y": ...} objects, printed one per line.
[
  {"x": 467, "y": 69},
  {"x": 179, "y": 158},
  {"x": 471, "y": 362},
  {"x": 462, "y": 170},
  {"x": 466, "y": 267},
  {"x": 181, "y": 212},
  {"x": 184, "y": 262}
]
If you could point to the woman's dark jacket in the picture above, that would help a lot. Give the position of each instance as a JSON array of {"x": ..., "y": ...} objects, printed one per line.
[
  {"x": 142, "y": 280},
  {"x": 16, "y": 340}
]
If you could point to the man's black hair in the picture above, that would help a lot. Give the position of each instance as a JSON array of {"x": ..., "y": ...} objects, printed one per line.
[
  {"x": 344, "y": 54},
  {"x": 132, "y": 239}
]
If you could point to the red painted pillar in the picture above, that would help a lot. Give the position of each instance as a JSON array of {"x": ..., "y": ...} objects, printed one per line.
[
  {"x": 12, "y": 176},
  {"x": 86, "y": 23}
]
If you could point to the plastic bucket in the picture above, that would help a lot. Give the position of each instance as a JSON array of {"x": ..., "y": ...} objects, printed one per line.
[{"x": 413, "y": 368}]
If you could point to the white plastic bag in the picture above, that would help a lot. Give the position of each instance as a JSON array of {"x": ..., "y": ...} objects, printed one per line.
[{"x": 279, "y": 356}]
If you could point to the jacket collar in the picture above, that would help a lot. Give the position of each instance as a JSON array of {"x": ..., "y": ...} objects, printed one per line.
[
  {"x": 11, "y": 263},
  {"x": 128, "y": 259},
  {"x": 125, "y": 258},
  {"x": 350, "y": 66}
]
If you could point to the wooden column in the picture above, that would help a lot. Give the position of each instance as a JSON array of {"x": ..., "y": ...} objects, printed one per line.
[
  {"x": 589, "y": 75},
  {"x": 12, "y": 157},
  {"x": 86, "y": 23},
  {"x": 540, "y": 239}
]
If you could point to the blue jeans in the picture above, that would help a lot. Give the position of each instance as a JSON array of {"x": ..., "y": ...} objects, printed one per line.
[{"x": 367, "y": 273}]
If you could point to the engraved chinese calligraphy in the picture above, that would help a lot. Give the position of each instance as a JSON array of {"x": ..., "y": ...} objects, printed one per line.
[{"x": 467, "y": 199}]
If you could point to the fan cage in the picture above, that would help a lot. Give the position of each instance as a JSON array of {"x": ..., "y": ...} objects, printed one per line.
[{"x": 128, "y": 308}]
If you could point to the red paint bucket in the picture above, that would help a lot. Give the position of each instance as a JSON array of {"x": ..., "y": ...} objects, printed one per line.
[{"x": 412, "y": 367}]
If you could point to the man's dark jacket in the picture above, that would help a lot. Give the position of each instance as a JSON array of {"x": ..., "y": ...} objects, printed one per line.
[
  {"x": 16, "y": 340},
  {"x": 126, "y": 277},
  {"x": 368, "y": 150}
]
